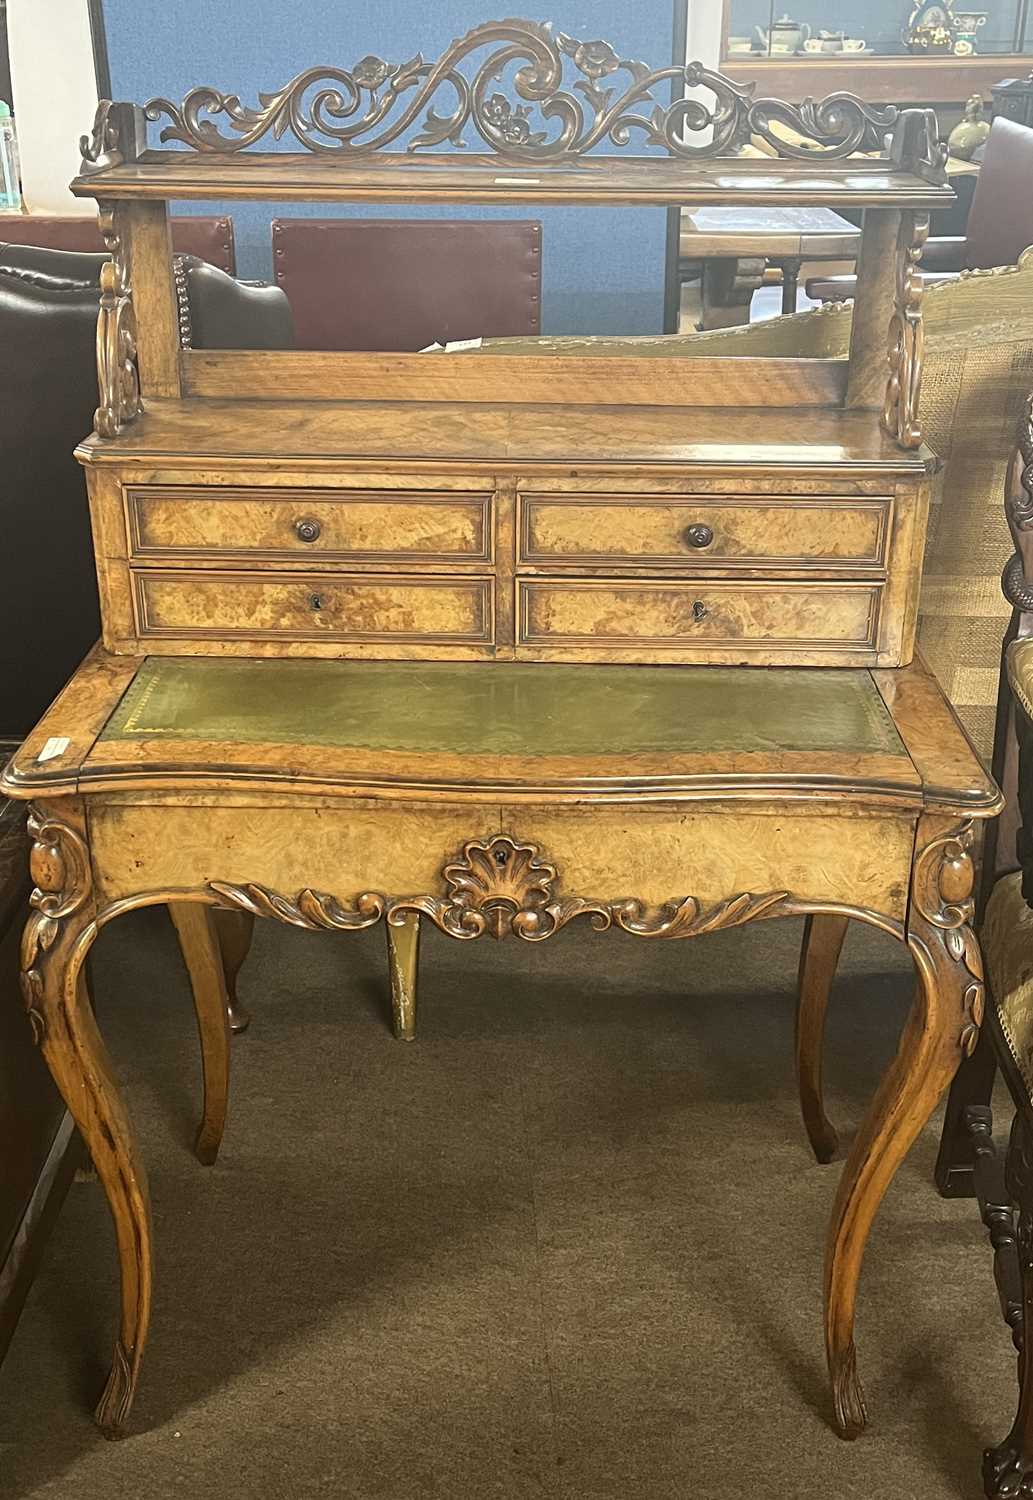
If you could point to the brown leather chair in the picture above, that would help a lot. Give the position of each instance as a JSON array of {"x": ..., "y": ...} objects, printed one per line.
[
  {"x": 210, "y": 239},
  {"x": 48, "y": 393},
  {"x": 1000, "y": 224},
  {"x": 400, "y": 284}
]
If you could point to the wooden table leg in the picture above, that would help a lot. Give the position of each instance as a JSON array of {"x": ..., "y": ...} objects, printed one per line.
[
  {"x": 942, "y": 1028},
  {"x": 236, "y": 930},
  {"x": 727, "y": 289},
  {"x": 403, "y": 953},
  {"x": 822, "y": 944},
  {"x": 57, "y": 937},
  {"x": 790, "y": 282},
  {"x": 202, "y": 952}
]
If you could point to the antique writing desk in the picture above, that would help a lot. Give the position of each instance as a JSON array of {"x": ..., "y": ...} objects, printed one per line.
[{"x": 504, "y": 643}]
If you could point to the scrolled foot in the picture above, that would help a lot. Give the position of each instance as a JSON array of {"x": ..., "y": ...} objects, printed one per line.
[
  {"x": 848, "y": 1394},
  {"x": 206, "y": 1145},
  {"x": 113, "y": 1407},
  {"x": 1007, "y": 1473},
  {"x": 824, "y": 1140}
]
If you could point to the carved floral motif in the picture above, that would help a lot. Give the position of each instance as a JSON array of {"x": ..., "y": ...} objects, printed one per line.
[
  {"x": 943, "y": 883},
  {"x": 60, "y": 867},
  {"x": 331, "y": 109},
  {"x": 501, "y": 887},
  {"x": 117, "y": 375},
  {"x": 906, "y": 339}
]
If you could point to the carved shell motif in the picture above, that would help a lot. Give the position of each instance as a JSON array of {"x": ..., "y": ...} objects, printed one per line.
[{"x": 501, "y": 887}]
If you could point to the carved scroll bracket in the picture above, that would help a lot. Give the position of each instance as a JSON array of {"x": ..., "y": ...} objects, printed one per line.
[
  {"x": 504, "y": 888},
  {"x": 942, "y": 890},
  {"x": 60, "y": 866},
  {"x": 117, "y": 374},
  {"x": 900, "y": 414}
]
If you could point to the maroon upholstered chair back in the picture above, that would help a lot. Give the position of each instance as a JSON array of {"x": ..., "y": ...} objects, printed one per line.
[
  {"x": 1000, "y": 223},
  {"x": 400, "y": 284},
  {"x": 208, "y": 238}
]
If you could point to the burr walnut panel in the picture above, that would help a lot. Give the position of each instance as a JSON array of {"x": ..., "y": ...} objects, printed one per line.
[
  {"x": 361, "y": 526},
  {"x": 681, "y": 531},
  {"x": 679, "y": 616},
  {"x": 342, "y": 607}
]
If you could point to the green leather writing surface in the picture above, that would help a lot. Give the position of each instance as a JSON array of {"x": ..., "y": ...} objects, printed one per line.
[{"x": 505, "y": 708}]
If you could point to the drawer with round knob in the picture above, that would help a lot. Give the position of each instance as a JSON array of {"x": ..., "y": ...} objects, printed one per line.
[
  {"x": 822, "y": 534},
  {"x": 369, "y": 527},
  {"x": 337, "y": 607}
]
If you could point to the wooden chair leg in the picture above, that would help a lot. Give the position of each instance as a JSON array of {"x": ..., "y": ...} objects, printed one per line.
[
  {"x": 403, "y": 951},
  {"x": 822, "y": 944},
  {"x": 1008, "y": 1468},
  {"x": 973, "y": 1086},
  {"x": 235, "y": 929},
  {"x": 202, "y": 954}
]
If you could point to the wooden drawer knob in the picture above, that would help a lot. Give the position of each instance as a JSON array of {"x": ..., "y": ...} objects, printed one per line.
[
  {"x": 307, "y": 530},
  {"x": 699, "y": 536}
]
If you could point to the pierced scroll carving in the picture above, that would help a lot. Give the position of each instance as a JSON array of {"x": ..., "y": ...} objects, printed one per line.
[
  {"x": 363, "y": 109},
  {"x": 900, "y": 414},
  {"x": 504, "y": 888},
  {"x": 942, "y": 889},
  {"x": 60, "y": 867},
  {"x": 117, "y": 374},
  {"x": 1018, "y": 510},
  {"x": 115, "y": 136}
]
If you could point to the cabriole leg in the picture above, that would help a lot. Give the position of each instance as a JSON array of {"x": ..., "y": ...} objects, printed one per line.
[
  {"x": 202, "y": 954},
  {"x": 943, "y": 1027},
  {"x": 403, "y": 952},
  {"x": 57, "y": 937},
  {"x": 822, "y": 944},
  {"x": 235, "y": 929}
]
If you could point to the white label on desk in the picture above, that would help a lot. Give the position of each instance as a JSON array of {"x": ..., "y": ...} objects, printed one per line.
[
  {"x": 55, "y": 746},
  {"x": 457, "y": 344},
  {"x": 518, "y": 181}
]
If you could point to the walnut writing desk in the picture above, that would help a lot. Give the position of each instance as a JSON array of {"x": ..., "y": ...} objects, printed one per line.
[{"x": 476, "y": 640}]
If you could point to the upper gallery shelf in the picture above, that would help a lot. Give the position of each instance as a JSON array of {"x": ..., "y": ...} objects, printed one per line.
[{"x": 543, "y": 143}]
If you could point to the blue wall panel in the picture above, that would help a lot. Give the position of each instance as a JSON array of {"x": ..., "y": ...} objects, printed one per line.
[{"x": 603, "y": 269}]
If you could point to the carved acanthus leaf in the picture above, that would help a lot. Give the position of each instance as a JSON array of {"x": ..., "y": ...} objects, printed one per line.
[
  {"x": 117, "y": 374},
  {"x": 502, "y": 887},
  {"x": 942, "y": 888},
  {"x": 365, "y": 108},
  {"x": 900, "y": 413},
  {"x": 59, "y": 863}
]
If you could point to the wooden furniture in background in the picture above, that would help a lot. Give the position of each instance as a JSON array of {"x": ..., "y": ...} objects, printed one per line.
[
  {"x": 402, "y": 284},
  {"x": 507, "y": 534},
  {"x": 736, "y": 245},
  {"x": 1000, "y": 222}
]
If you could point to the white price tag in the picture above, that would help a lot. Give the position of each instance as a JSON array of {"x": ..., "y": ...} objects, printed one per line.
[{"x": 55, "y": 746}]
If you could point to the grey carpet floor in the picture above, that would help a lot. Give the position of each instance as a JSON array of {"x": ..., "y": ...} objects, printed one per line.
[{"x": 567, "y": 1245}]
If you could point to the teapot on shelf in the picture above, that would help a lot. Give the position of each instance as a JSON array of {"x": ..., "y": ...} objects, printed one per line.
[{"x": 783, "y": 35}]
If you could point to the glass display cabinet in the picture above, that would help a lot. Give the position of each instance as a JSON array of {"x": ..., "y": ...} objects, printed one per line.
[{"x": 926, "y": 51}]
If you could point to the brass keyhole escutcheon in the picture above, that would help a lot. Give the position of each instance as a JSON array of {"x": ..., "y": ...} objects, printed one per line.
[
  {"x": 307, "y": 530},
  {"x": 317, "y": 601},
  {"x": 699, "y": 610},
  {"x": 699, "y": 536}
]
